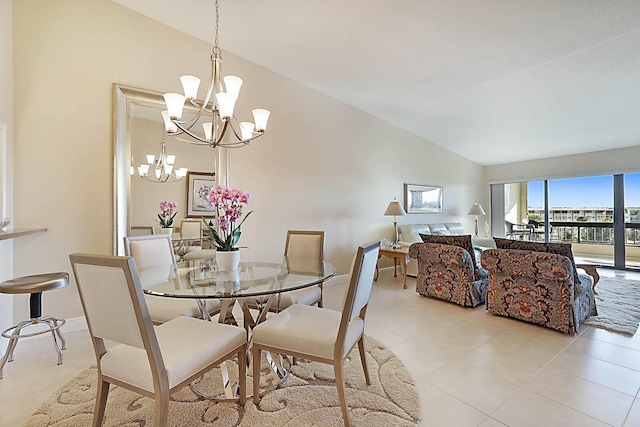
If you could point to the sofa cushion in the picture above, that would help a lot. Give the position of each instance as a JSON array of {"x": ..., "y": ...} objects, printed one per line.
[
  {"x": 553, "y": 248},
  {"x": 455, "y": 228},
  {"x": 439, "y": 229},
  {"x": 463, "y": 241}
]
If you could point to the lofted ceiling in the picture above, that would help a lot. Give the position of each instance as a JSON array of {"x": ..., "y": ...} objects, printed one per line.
[{"x": 495, "y": 81}]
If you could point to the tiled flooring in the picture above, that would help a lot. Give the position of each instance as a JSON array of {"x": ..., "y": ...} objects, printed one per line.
[{"x": 471, "y": 368}]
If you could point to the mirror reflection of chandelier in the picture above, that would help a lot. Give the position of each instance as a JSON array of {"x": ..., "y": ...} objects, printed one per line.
[
  {"x": 161, "y": 169},
  {"x": 215, "y": 113}
]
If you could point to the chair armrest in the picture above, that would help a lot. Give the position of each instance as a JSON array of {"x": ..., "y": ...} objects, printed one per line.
[{"x": 457, "y": 259}]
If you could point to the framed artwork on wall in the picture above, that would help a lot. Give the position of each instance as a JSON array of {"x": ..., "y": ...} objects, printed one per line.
[
  {"x": 199, "y": 184},
  {"x": 422, "y": 198}
]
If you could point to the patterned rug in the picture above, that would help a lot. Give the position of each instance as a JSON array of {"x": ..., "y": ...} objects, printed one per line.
[
  {"x": 618, "y": 303},
  {"x": 307, "y": 397}
]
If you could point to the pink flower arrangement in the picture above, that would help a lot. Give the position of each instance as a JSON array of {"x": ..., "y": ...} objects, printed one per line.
[
  {"x": 228, "y": 204},
  {"x": 166, "y": 214}
]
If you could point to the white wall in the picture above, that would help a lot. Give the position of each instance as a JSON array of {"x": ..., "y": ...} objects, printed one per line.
[
  {"x": 322, "y": 164},
  {"x": 6, "y": 164},
  {"x": 623, "y": 160}
]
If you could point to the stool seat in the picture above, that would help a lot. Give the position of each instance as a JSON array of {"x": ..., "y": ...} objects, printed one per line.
[{"x": 35, "y": 283}]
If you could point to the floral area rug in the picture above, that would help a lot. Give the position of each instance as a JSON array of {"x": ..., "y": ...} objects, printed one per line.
[{"x": 307, "y": 397}]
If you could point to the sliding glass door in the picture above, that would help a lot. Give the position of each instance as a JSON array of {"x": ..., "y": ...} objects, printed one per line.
[
  {"x": 598, "y": 215},
  {"x": 632, "y": 219},
  {"x": 581, "y": 213}
]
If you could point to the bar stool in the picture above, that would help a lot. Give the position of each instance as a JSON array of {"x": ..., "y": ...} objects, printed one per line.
[{"x": 34, "y": 285}]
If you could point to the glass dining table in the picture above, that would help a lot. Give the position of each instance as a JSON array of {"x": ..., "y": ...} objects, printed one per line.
[{"x": 255, "y": 285}]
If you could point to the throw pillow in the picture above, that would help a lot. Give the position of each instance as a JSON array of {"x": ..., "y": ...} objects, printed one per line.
[
  {"x": 463, "y": 241},
  {"x": 553, "y": 248}
]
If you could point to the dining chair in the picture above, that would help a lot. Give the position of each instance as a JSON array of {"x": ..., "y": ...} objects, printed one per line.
[
  {"x": 155, "y": 361},
  {"x": 191, "y": 229},
  {"x": 302, "y": 244},
  {"x": 319, "y": 334},
  {"x": 153, "y": 252},
  {"x": 203, "y": 254},
  {"x": 142, "y": 230}
]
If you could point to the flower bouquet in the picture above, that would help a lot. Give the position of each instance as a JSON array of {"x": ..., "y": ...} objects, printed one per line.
[
  {"x": 228, "y": 205},
  {"x": 167, "y": 214}
]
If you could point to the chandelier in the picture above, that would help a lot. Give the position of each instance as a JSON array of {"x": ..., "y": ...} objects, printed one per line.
[
  {"x": 161, "y": 169},
  {"x": 215, "y": 113}
]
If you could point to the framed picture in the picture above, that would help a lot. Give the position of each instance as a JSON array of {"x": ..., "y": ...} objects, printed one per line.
[
  {"x": 422, "y": 198},
  {"x": 199, "y": 184}
]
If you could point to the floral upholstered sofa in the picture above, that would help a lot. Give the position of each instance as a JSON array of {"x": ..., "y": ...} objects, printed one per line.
[
  {"x": 447, "y": 269},
  {"x": 538, "y": 283}
]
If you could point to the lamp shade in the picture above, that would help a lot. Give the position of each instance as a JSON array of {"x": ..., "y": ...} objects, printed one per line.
[
  {"x": 476, "y": 209},
  {"x": 394, "y": 209}
]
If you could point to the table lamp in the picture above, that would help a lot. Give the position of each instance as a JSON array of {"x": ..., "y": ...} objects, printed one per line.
[
  {"x": 395, "y": 209},
  {"x": 476, "y": 210}
]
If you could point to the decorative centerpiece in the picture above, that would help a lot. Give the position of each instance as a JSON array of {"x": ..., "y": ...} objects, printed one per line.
[
  {"x": 166, "y": 216},
  {"x": 228, "y": 205}
]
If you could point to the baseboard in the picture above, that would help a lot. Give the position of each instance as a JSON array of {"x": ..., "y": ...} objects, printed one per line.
[{"x": 75, "y": 324}]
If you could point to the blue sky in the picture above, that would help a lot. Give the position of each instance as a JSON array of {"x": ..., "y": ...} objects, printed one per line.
[{"x": 584, "y": 192}]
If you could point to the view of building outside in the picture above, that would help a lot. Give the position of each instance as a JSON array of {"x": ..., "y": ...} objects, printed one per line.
[{"x": 585, "y": 200}]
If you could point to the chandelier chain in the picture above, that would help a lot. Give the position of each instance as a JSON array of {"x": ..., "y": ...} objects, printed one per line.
[{"x": 215, "y": 41}]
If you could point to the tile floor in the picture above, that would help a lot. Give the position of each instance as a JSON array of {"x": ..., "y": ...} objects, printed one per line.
[{"x": 471, "y": 368}]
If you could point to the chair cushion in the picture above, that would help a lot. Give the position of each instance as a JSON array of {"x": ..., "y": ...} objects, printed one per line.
[
  {"x": 163, "y": 309},
  {"x": 463, "y": 241},
  {"x": 563, "y": 249},
  {"x": 187, "y": 346},
  {"x": 306, "y": 329},
  {"x": 306, "y": 296}
]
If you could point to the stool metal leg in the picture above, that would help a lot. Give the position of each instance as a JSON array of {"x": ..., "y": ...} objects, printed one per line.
[{"x": 13, "y": 340}]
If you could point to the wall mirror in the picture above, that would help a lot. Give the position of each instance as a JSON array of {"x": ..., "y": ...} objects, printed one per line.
[{"x": 138, "y": 131}]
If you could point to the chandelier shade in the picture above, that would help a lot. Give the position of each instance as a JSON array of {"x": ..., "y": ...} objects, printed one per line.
[{"x": 215, "y": 113}]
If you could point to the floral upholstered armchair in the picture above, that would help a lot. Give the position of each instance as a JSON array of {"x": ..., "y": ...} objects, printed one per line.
[
  {"x": 448, "y": 271},
  {"x": 538, "y": 287}
]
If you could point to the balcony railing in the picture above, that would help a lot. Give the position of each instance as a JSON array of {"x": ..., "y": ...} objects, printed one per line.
[{"x": 590, "y": 232}]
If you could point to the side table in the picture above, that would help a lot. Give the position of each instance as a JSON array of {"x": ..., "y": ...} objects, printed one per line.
[{"x": 398, "y": 254}]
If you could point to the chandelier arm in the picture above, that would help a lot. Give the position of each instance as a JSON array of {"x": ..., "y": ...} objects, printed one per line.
[{"x": 191, "y": 134}]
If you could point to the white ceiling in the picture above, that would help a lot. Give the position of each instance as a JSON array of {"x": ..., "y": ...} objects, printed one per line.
[{"x": 495, "y": 81}]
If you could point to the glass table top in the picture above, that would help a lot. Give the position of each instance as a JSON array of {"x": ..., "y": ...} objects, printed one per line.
[{"x": 200, "y": 278}]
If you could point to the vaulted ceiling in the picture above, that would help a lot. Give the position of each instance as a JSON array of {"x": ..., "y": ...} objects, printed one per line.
[{"x": 495, "y": 81}]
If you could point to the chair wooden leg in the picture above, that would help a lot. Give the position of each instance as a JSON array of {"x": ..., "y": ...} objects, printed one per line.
[
  {"x": 242, "y": 374},
  {"x": 101, "y": 402},
  {"x": 162, "y": 409},
  {"x": 363, "y": 359},
  {"x": 256, "y": 355},
  {"x": 337, "y": 368}
]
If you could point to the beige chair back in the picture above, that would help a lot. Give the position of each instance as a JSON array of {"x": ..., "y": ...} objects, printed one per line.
[
  {"x": 142, "y": 230},
  {"x": 305, "y": 244},
  {"x": 360, "y": 282},
  {"x": 190, "y": 229},
  {"x": 112, "y": 299},
  {"x": 150, "y": 251},
  {"x": 203, "y": 254}
]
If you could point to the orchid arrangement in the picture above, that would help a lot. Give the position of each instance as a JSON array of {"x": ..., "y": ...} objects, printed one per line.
[
  {"x": 167, "y": 214},
  {"x": 228, "y": 204}
]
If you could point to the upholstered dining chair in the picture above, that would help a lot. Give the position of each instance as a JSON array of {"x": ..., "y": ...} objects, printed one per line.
[
  {"x": 142, "y": 230},
  {"x": 191, "y": 229},
  {"x": 155, "y": 361},
  {"x": 305, "y": 244},
  {"x": 151, "y": 252},
  {"x": 320, "y": 334},
  {"x": 203, "y": 254}
]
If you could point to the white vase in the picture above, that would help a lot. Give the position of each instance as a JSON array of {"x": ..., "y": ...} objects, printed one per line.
[
  {"x": 228, "y": 260},
  {"x": 168, "y": 230}
]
